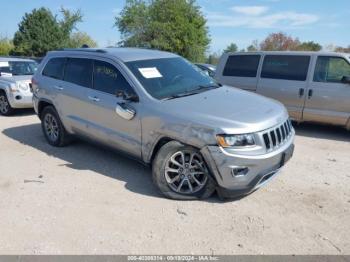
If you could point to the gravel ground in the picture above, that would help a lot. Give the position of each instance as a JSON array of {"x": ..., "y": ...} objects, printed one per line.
[{"x": 84, "y": 199}]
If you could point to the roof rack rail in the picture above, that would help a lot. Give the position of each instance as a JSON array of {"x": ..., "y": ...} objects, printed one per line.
[{"x": 83, "y": 50}]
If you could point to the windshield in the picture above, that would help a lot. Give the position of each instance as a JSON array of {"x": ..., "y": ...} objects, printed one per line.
[
  {"x": 170, "y": 77},
  {"x": 19, "y": 67}
]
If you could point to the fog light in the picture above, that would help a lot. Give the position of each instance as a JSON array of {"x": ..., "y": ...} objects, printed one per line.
[
  {"x": 239, "y": 171},
  {"x": 18, "y": 97}
]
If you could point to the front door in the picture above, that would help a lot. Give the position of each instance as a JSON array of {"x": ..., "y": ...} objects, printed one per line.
[
  {"x": 106, "y": 125},
  {"x": 328, "y": 98},
  {"x": 284, "y": 78}
]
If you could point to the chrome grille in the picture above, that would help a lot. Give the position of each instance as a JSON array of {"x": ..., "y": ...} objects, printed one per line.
[{"x": 277, "y": 136}]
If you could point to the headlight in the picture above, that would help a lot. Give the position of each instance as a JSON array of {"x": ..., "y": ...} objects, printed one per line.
[
  {"x": 235, "y": 140},
  {"x": 23, "y": 86},
  {"x": 14, "y": 88}
]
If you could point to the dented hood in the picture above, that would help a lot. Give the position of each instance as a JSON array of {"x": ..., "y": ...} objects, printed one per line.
[{"x": 228, "y": 110}]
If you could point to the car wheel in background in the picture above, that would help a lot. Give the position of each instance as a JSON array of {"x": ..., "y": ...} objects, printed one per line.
[
  {"x": 180, "y": 172},
  {"x": 5, "y": 107}
]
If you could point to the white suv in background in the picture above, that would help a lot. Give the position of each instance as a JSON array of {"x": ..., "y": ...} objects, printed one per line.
[{"x": 15, "y": 81}]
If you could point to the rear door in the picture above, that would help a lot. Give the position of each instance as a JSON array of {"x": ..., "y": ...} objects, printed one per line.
[
  {"x": 51, "y": 81},
  {"x": 239, "y": 70},
  {"x": 105, "y": 123},
  {"x": 284, "y": 78},
  {"x": 71, "y": 94},
  {"x": 328, "y": 99}
]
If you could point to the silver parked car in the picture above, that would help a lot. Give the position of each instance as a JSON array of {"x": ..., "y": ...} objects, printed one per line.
[
  {"x": 314, "y": 86},
  {"x": 207, "y": 68},
  {"x": 157, "y": 107},
  {"x": 15, "y": 76}
]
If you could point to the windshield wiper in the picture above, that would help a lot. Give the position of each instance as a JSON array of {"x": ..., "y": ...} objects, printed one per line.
[
  {"x": 194, "y": 92},
  {"x": 200, "y": 89},
  {"x": 207, "y": 87}
]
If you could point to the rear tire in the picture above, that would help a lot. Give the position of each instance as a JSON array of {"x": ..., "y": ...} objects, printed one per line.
[
  {"x": 53, "y": 129},
  {"x": 180, "y": 172},
  {"x": 5, "y": 107}
]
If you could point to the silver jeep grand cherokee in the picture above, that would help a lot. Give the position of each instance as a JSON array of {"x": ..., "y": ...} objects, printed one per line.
[{"x": 155, "y": 106}]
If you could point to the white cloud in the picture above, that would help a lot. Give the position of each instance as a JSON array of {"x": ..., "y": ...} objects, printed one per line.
[
  {"x": 287, "y": 19},
  {"x": 250, "y": 10}
]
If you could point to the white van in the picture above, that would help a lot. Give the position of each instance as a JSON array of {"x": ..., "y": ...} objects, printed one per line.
[{"x": 314, "y": 86}]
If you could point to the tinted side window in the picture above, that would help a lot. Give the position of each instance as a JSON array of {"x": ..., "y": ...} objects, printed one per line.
[
  {"x": 285, "y": 67},
  {"x": 242, "y": 65},
  {"x": 54, "y": 68},
  {"x": 331, "y": 69},
  {"x": 78, "y": 71},
  {"x": 108, "y": 79}
]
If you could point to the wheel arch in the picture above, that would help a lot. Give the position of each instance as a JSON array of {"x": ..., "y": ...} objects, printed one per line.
[
  {"x": 4, "y": 89},
  {"x": 166, "y": 139},
  {"x": 158, "y": 145},
  {"x": 42, "y": 104}
]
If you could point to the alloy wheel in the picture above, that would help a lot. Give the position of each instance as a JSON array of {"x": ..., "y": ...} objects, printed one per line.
[
  {"x": 186, "y": 172},
  {"x": 51, "y": 127},
  {"x": 4, "y": 104}
]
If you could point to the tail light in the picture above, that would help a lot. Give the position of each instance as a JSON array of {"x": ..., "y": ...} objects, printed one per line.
[{"x": 33, "y": 85}]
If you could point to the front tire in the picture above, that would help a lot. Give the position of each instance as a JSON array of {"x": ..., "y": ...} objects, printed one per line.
[
  {"x": 180, "y": 172},
  {"x": 5, "y": 107},
  {"x": 53, "y": 129}
]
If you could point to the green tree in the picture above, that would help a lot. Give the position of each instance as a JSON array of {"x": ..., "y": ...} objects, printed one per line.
[
  {"x": 309, "y": 46},
  {"x": 214, "y": 58},
  {"x": 6, "y": 46},
  {"x": 171, "y": 25},
  {"x": 40, "y": 31},
  {"x": 253, "y": 47},
  {"x": 231, "y": 48},
  {"x": 342, "y": 49},
  {"x": 68, "y": 23},
  {"x": 78, "y": 39}
]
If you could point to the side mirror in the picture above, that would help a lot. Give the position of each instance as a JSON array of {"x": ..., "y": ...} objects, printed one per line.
[
  {"x": 345, "y": 80},
  {"x": 132, "y": 97},
  {"x": 125, "y": 111}
]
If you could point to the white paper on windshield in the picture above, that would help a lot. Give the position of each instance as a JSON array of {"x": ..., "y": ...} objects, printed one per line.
[
  {"x": 5, "y": 74},
  {"x": 150, "y": 72},
  {"x": 4, "y": 64}
]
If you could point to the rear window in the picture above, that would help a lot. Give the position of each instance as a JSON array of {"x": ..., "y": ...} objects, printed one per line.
[
  {"x": 79, "y": 71},
  {"x": 54, "y": 68},
  {"x": 242, "y": 65},
  {"x": 285, "y": 67}
]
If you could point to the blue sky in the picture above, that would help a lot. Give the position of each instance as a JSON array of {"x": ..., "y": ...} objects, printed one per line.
[{"x": 238, "y": 21}]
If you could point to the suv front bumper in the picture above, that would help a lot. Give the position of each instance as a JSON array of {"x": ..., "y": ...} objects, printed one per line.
[
  {"x": 255, "y": 171},
  {"x": 20, "y": 99}
]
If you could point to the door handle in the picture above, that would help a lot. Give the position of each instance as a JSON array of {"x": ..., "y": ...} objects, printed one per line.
[
  {"x": 58, "y": 87},
  {"x": 301, "y": 92},
  {"x": 310, "y": 93},
  {"x": 94, "y": 98}
]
